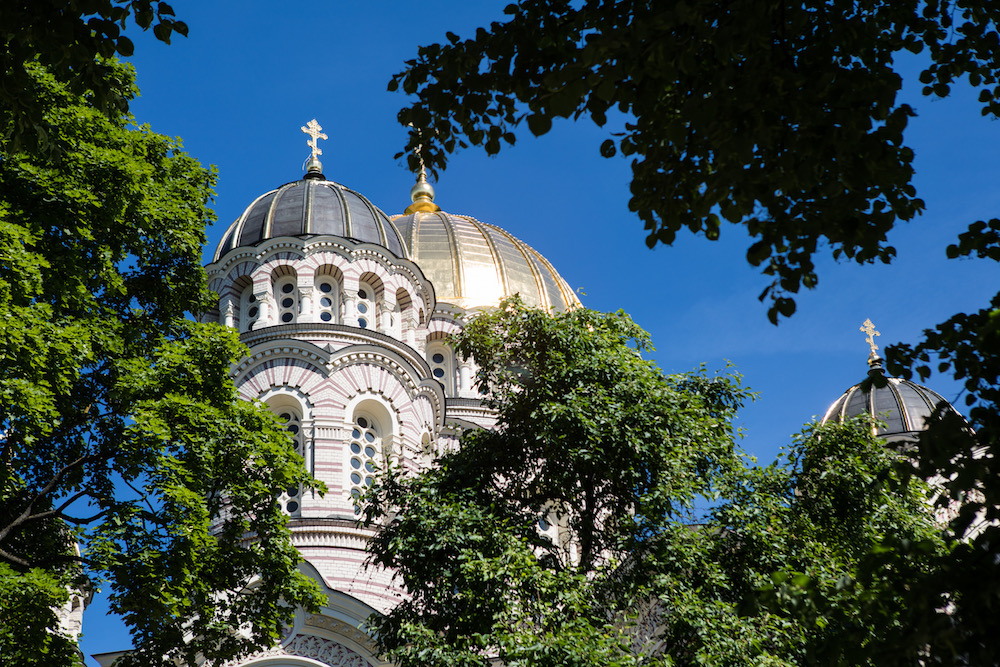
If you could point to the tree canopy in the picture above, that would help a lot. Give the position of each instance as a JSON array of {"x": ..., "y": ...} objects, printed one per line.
[
  {"x": 782, "y": 117},
  {"x": 572, "y": 533},
  {"x": 120, "y": 428},
  {"x": 74, "y": 40}
]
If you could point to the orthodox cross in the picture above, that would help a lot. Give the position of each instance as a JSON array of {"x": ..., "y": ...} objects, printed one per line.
[
  {"x": 314, "y": 131},
  {"x": 869, "y": 328}
]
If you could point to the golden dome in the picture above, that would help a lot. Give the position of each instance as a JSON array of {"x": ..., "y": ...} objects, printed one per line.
[{"x": 473, "y": 264}]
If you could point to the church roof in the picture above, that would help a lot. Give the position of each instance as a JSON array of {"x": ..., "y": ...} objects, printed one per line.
[
  {"x": 903, "y": 406},
  {"x": 312, "y": 206},
  {"x": 473, "y": 264}
]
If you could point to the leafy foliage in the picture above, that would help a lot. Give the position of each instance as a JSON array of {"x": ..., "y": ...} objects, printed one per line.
[
  {"x": 74, "y": 40},
  {"x": 118, "y": 418},
  {"x": 806, "y": 561},
  {"x": 779, "y": 116},
  {"x": 510, "y": 546}
]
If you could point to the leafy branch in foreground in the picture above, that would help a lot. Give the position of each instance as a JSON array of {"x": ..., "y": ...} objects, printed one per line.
[
  {"x": 120, "y": 428},
  {"x": 782, "y": 117}
]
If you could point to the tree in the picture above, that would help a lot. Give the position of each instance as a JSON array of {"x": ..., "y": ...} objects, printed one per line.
[
  {"x": 782, "y": 117},
  {"x": 75, "y": 42},
  {"x": 507, "y": 545},
  {"x": 569, "y": 534},
  {"x": 120, "y": 428},
  {"x": 816, "y": 559}
]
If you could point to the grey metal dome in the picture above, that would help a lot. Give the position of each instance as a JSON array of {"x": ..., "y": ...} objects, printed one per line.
[
  {"x": 312, "y": 206},
  {"x": 901, "y": 404},
  {"x": 473, "y": 264}
]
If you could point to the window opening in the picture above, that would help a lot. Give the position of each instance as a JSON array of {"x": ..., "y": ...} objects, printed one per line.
[
  {"x": 328, "y": 297},
  {"x": 289, "y": 499},
  {"x": 287, "y": 296},
  {"x": 249, "y": 309},
  {"x": 366, "y": 447}
]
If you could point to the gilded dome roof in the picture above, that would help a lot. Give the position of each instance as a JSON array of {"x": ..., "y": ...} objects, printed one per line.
[
  {"x": 312, "y": 206},
  {"x": 902, "y": 405},
  {"x": 473, "y": 264}
]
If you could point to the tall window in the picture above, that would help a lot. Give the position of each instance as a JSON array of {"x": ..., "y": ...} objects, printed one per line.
[
  {"x": 249, "y": 309},
  {"x": 366, "y": 454},
  {"x": 366, "y": 306},
  {"x": 442, "y": 363},
  {"x": 286, "y": 294},
  {"x": 328, "y": 299},
  {"x": 290, "y": 499}
]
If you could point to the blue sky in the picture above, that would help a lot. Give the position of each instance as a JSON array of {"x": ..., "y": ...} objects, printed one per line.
[{"x": 238, "y": 89}]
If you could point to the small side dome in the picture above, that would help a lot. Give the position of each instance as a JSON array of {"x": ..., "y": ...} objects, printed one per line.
[
  {"x": 473, "y": 264},
  {"x": 312, "y": 206},
  {"x": 902, "y": 405}
]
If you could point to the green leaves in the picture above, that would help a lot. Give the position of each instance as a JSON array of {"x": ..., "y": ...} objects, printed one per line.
[
  {"x": 783, "y": 118},
  {"x": 510, "y": 547},
  {"x": 117, "y": 414}
]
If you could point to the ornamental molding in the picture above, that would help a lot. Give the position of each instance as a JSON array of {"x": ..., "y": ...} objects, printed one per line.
[
  {"x": 325, "y": 651},
  {"x": 336, "y": 626}
]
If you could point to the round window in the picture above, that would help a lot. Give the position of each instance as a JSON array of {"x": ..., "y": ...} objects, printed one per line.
[
  {"x": 287, "y": 302},
  {"x": 325, "y": 302},
  {"x": 363, "y": 323},
  {"x": 292, "y": 491},
  {"x": 369, "y": 480},
  {"x": 363, "y": 423},
  {"x": 292, "y": 506},
  {"x": 356, "y": 478},
  {"x": 370, "y": 452},
  {"x": 355, "y": 447},
  {"x": 439, "y": 372},
  {"x": 362, "y": 308},
  {"x": 293, "y": 429},
  {"x": 356, "y": 464},
  {"x": 286, "y": 317},
  {"x": 369, "y": 436},
  {"x": 362, "y": 294},
  {"x": 287, "y": 288},
  {"x": 284, "y": 416},
  {"x": 326, "y": 317},
  {"x": 325, "y": 287},
  {"x": 252, "y": 312},
  {"x": 438, "y": 358},
  {"x": 251, "y": 298},
  {"x": 369, "y": 466}
]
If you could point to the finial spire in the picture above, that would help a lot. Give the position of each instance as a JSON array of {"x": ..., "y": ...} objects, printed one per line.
[
  {"x": 422, "y": 193},
  {"x": 313, "y": 129},
  {"x": 869, "y": 329}
]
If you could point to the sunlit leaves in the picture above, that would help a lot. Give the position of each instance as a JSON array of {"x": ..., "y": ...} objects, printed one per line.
[{"x": 117, "y": 415}]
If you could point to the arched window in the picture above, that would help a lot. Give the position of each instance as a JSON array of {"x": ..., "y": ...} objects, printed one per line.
[
  {"x": 327, "y": 299},
  {"x": 442, "y": 362},
  {"x": 249, "y": 309},
  {"x": 366, "y": 455},
  {"x": 290, "y": 499},
  {"x": 286, "y": 295},
  {"x": 367, "y": 317}
]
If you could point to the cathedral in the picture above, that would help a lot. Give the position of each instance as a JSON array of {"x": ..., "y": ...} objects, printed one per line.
[{"x": 347, "y": 312}]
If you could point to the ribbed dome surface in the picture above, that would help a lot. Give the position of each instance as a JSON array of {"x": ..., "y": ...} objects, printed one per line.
[
  {"x": 309, "y": 207},
  {"x": 473, "y": 264},
  {"x": 901, "y": 404}
]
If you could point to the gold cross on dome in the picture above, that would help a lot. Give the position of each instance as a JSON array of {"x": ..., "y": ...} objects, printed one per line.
[
  {"x": 869, "y": 328},
  {"x": 313, "y": 129}
]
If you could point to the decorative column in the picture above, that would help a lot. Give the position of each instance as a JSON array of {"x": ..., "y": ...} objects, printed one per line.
[
  {"x": 229, "y": 313},
  {"x": 350, "y": 307},
  {"x": 306, "y": 313}
]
